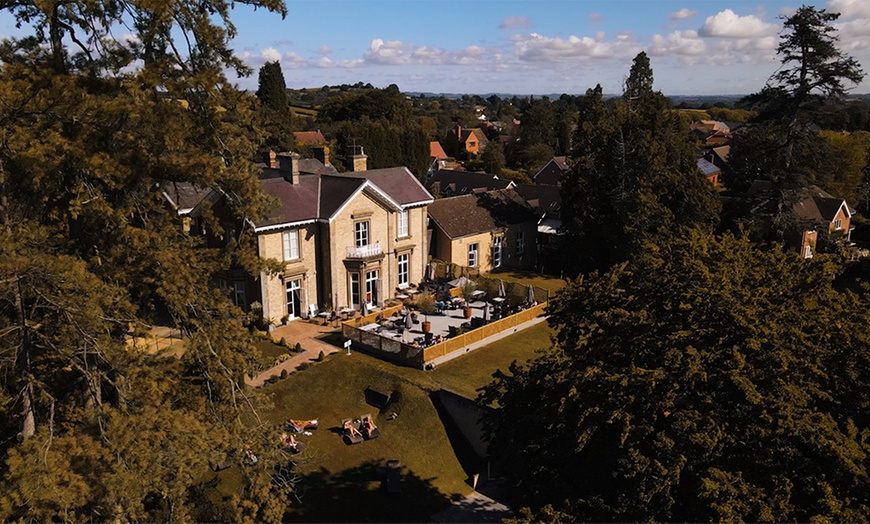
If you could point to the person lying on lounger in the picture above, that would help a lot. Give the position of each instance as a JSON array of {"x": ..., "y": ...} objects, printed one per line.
[
  {"x": 368, "y": 425},
  {"x": 351, "y": 431},
  {"x": 289, "y": 441}
]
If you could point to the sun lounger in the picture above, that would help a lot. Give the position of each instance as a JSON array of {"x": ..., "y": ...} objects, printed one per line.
[
  {"x": 348, "y": 436},
  {"x": 374, "y": 433},
  {"x": 301, "y": 425}
]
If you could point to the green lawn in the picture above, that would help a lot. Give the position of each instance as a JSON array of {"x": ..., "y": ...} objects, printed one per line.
[
  {"x": 548, "y": 282},
  {"x": 343, "y": 483},
  {"x": 465, "y": 374}
]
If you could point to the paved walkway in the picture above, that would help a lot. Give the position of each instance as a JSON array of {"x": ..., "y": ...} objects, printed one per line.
[
  {"x": 305, "y": 333},
  {"x": 475, "y": 507}
]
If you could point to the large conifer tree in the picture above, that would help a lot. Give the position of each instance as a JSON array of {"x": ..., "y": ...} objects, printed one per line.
[{"x": 94, "y": 129}]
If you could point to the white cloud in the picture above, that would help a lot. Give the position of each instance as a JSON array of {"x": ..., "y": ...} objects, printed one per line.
[
  {"x": 679, "y": 43},
  {"x": 683, "y": 14},
  {"x": 596, "y": 17},
  {"x": 854, "y": 34},
  {"x": 728, "y": 24},
  {"x": 292, "y": 59},
  {"x": 519, "y": 22},
  {"x": 324, "y": 50},
  {"x": 393, "y": 52},
  {"x": 270, "y": 54},
  {"x": 396, "y": 52},
  {"x": 542, "y": 49},
  {"x": 849, "y": 8},
  {"x": 327, "y": 63}
]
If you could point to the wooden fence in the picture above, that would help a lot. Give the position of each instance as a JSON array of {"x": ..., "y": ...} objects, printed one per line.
[{"x": 409, "y": 355}]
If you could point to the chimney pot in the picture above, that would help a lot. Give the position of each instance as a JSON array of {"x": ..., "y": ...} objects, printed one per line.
[{"x": 288, "y": 166}]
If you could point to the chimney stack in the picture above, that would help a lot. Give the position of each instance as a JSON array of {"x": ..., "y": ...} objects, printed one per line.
[
  {"x": 271, "y": 159},
  {"x": 288, "y": 166},
  {"x": 322, "y": 153},
  {"x": 360, "y": 161}
]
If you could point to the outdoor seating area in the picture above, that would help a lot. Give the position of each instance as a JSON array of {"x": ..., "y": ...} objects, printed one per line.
[
  {"x": 355, "y": 431},
  {"x": 443, "y": 311}
]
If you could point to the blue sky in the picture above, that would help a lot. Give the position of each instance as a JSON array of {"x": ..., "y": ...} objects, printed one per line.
[
  {"x": 532, "y": 47},
  {"x": 703, "y": 47}
]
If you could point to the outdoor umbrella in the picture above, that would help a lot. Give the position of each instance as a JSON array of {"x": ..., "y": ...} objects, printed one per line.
[
  {"x": 459, "y": 282},
  {"x": 501, "y": 291},
  {"x": 531, "y": 296},
  {"x": 486, "y": 312},
  {"x": 363, "y": 308},
  {"x": 408, "y": 321}
]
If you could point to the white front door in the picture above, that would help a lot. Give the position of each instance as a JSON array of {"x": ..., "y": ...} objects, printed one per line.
[{"x": 294, "y": 298}]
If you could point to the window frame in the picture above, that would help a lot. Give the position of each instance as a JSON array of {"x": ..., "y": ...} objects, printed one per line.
[
  {"x": 361, "y": 233},
  {"x": 521, "y": 243},
  {"x": 403, "y": 224},
  {"x": 473, "y": 254},
  {"x": 497, "y": 252},
  {"x": 289, "y": 243},
  {"x": 403, "y": 259}
]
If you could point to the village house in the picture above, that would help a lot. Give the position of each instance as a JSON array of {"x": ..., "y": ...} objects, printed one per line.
[
  {"x": 448, "y": 182},
  {"x": 341, "y": 241},
  {"x": 807, "y": 216},
  {"x": 487, "y": 231},
  {"x": 551, "y": 173},
  {"x": 465, "y": 143}
]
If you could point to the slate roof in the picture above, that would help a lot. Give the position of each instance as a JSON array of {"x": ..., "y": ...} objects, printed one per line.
[
  {"x": 183, "y": 196},
  {"x": 319, "y": 197},
  {"x": 544, "y": 199},
  {"x": 465, "y": 215},
  {"x": 397, "y": 182},
  {"x": 551, "y": 173},
  {"x": 810, "y": 202},
  {"x": 462, "y": 182}
]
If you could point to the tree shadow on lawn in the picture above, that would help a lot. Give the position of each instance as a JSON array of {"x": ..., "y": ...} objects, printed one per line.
[{"x": 360, "y": 495}]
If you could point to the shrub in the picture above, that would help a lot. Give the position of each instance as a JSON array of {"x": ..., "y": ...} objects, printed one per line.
[
  {"x": 303, "y": 366},
  {"x": 282, "y": 342},
  {"x": 298, "y": 347},
  {"x": 283, "y": 374},
  {"x": 321, "y": 356}
]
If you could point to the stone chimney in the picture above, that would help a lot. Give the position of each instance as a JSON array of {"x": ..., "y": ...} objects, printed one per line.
[
  {"x": 271, "y": 159},
  {"x": 288, "y": 166},
  {"x": 322, "y": 153},
  {"x": 360, "y": 161}
]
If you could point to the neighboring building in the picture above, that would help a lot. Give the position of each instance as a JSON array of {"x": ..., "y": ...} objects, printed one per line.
[
  {"x": 804, "y": 215},
  {"x": 546, "y": 201},
  {"x": 711, "y": 132},
  {"x": 487, "y": 231},
  {"x": 437, "y": 157},
  {"x": 551, "y": 173},
  {"x": 448, "y": 182},
  {"x": 183, "y": 197},
  {"x": 709, "y": 170},
  {"x": 311, "y": 138},
  {"x": 341, "y": 239},
  {"x": 465, "y": 143}
]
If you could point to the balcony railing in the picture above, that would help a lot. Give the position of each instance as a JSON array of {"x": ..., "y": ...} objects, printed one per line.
[{"x": 370, "y": 250}]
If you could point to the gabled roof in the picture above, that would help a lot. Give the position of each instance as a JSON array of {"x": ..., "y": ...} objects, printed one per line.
[
  {"x": 398, "y": 183},
  {"x": 319, "y": 197},
  {"x": 183, "y": 196},
  {"x": 551, "y": 173},
  {"x": 463, "y": 182},
  {"x": 544, "y": 199},
  {"x": 465, "y": 215},
  {"x": 310, "y": 137},
  {"x": 474, "y": 133},
  {"x": 436, "y": 151},
  {"x": 806, "y": 202}
]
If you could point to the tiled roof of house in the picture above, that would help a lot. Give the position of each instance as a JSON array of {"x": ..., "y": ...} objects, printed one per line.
[
  {"x": 815, "y": 203},
  {"x": 474, "y": 133},
  {"x": 319, "y": 197},
  {"x": 310, "y": 137},
  {"x": 183, "y": 196},
  {"x": 293, "y": 202},
  {"x": 551, "y": 173},
  {"x": 436, "y": 151},
  {"x": 462, "y": 182},
  {"x": 465, "y": 215},
  {"x": 544, "y": 199}
]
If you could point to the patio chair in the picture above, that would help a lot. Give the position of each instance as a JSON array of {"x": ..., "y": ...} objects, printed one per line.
[
  {"x": 374, "y": 432},
  {"x": 350, "y": 437}
]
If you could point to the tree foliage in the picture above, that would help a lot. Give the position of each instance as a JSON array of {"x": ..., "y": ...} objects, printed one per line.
[
  {"x": 634, "y": 181},
  {"x": 708, "y": 381},
  {"x": 95, "y": 129},
  {"x": 274, "y": 109}
]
